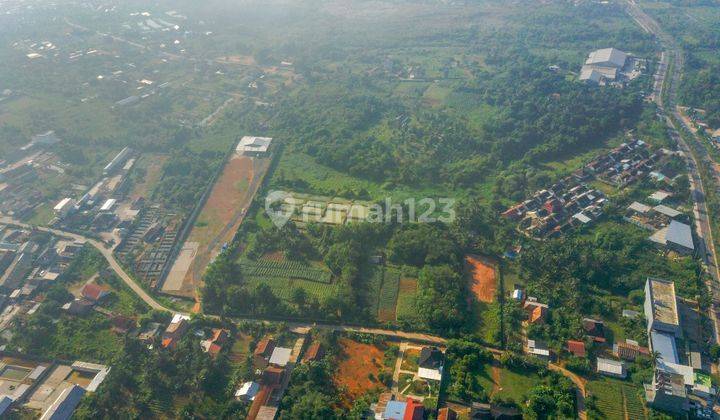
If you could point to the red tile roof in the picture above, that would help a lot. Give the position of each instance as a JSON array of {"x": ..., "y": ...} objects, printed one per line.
[
  {"x": 264, "y": 346},
  {"x": 576, "y": 347},
  {"x": 314, "y": 352},
  {"x": 94, "y": 292},
  {"x": 414, "y": 410}
]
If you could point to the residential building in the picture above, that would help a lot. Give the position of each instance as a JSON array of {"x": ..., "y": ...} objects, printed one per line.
[
  {"x": 629, "y": 351},
  {"x": 576, "y": 348},
  {"x": 94, "y": 293},
  {"x": 611, "y": 367},
  {"x": 595, "y": 329},
  {"x": 247, "y": 391},
  {"x": 174, "y": 332},
  {"x": 430, "y": 363},
  {"x": 314, "y": 352},
  {"x": 667, "y": 392},
  {"x": 262, "y": 352},
  {"x": 280, "y": 356},
  {"x": 676, "y": 237}
]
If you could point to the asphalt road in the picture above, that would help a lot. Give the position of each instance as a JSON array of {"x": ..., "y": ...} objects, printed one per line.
[{"x": 706, "y": 244}]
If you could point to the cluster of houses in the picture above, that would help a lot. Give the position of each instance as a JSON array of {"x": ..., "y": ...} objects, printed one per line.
[
  {"x": 99, "y": 209},
  {"x": 431, "y": 363},
  {"x": 625, "y": 164},
  {"x": 610, "y": 66},
  {"x": 30, "y": 262},
  {"x": 273, "y": 365},
  {"x": 49, "y": 390},
  {"x": 550, "y": 212},
  {"x": 570, "y": 202},
  {"x": 670, "y": 227},
  {"x": 20, "y": 194}
]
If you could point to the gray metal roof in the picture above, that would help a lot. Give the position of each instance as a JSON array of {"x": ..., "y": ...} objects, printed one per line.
[
  {"x": 664, "y": 344},
  {"x": 607, "y": 56},
  {"x": 680, "y": 234}
]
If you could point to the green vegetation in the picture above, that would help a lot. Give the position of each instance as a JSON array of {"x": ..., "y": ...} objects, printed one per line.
[{"x": 609, "y": 398}]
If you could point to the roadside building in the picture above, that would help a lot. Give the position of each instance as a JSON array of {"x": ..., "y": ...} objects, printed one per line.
[
  {"x": 676, "y": 237},
  {"x": 64, "y": 207},
  {"x": 430, "y": 363},
  {"x": 611, "y": 367},
  {"x": 175, "y": 330},
  {"x": 538, "y": 349}
]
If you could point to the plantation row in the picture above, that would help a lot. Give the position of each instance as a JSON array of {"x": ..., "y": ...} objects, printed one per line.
[
  {"x": 284, "y": 269},
  {"x": 284, "y": 287}
]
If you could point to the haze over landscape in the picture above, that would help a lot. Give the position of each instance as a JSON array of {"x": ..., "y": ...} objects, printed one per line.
[{"x": 361, "y": 209}]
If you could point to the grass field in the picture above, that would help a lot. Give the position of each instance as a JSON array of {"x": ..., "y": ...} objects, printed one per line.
[
  {"x": 406, "y": 299},
  {"x": 614, "y": 397},
  {"x": 511, "y": 384},
  {"x": 283, "y": 287}
]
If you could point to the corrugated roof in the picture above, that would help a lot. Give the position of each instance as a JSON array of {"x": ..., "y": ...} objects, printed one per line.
[
  {"x": 609, "y": 56},
  {"x": 611, "y": 366},
  {"x": 664, "y": 345},
  {"x": 680, "y": 234}
]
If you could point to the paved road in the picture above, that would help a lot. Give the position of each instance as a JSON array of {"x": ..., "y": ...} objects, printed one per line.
[
  {"x": 703, "y": 229},
  {"x": 104, "y": 250},
  {"x": 300, "y": 327}
]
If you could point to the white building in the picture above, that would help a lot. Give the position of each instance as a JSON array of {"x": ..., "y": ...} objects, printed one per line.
[
  {"x": 64, "y": 207},
  {"x": 607, "y": 57},
  {"x": 611, "y": 367},
  {"x": 247, "y": 391},
  {"x": 253, "y": 146},
  {"x": 661, "y": 307}
]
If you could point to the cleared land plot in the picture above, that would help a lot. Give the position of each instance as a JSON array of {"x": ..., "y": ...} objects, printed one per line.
[
  {"x": 616, "y": 399},
  {"x": 358, "y": 369},
  {"x": 405, "y": 308},
  {"x": 218, "y": 221},
  {"x": 483, "y": 281},
  {"x": 152, "y": 166}
]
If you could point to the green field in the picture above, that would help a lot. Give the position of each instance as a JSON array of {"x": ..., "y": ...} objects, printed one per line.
[
  {"x": 291, "y": 270},
  {"x": 283, "y": 287},
  {"x": 389, "y": 292},
  {"x": 513, "y": 385},
  {"x": 611, "y": 394},
  {"x": 406, "y": 299}
]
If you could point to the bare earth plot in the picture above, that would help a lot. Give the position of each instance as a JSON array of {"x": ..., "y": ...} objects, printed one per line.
[
  {"x": 217, "y": 223},
  {"x": 483, "y": 279}
]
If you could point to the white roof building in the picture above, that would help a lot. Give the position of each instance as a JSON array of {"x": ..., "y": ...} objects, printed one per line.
[
  {"x": 64, "y": 405},
  {"x": 247, "y": 391},
  {"x": 108, "y": 205},
  {"x": 611, "y": 367},
  {"x": 433, "y": 374},
  {"x": 607, "y": 57},
  {"x": 250, "y": 144},
  {"x": 589, "y": 74},
  {"x": 280, "y": 356}
]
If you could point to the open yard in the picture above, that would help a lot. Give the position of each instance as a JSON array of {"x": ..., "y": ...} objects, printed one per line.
[
  {"x": 358, "y": 369},
  {"x": 483, "y": 280}
]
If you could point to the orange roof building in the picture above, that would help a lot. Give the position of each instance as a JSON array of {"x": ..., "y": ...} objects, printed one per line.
[
  {"x": 414, "y": 410},
  {"x": 577, "y": 348}
]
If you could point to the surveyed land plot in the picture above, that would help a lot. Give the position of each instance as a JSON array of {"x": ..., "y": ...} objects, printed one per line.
[
  {"x": 217, "y": 223},
  {"x": 483, "y": 277}
]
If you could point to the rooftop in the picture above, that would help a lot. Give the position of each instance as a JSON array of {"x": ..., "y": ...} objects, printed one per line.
[{"x": 664, "y": 303}]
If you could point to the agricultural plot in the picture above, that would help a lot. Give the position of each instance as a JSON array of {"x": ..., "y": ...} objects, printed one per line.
[
  {"x": 616, "y": 399},
  {"x": 407, "y": 290},
  {"x": 388, "y": 298},
  {"x": 505, "y": 383},
  {"x": 292, "y": 270}
]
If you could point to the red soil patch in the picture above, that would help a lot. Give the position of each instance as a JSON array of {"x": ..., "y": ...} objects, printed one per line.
[
  {"x": 358, "y": 362},
  {"x": 483, "y": 279}
]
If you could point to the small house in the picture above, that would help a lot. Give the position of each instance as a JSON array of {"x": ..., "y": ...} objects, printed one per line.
[
  {"x": 280, "y": 356},
  {"x": 611, "y": 367},
  {"x": 576, "y": 348},
  {"x": 430, "y": 363},
  {"x": 247, "y": 391},
  {"x": 94, "y": 293}
]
